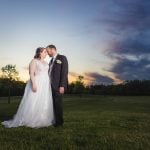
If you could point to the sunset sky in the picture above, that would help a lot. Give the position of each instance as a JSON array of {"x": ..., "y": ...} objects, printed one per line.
[{"x": 106, "y": 41}]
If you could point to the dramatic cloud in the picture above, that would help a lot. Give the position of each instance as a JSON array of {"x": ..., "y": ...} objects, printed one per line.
[
  {"x": 97, "y": 78},
  {"x": 73, "y": 74},
  {"x": 132, "y": 69},
  {"x": 128, "y": 22},
  {"x": 93, "y": 78}
]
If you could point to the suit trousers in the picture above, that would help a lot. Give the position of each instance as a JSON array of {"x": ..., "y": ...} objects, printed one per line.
[{"x": 58, "y": 106}]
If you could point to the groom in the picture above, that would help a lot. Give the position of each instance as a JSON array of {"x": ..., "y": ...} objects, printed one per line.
[{"x": 58, "y": 72}]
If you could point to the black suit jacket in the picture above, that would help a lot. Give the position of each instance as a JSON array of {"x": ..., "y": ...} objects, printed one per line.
[{"x": 59, "y": 73}]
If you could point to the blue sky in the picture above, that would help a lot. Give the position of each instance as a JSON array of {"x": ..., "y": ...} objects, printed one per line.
[{"x": 105, "y": 41}]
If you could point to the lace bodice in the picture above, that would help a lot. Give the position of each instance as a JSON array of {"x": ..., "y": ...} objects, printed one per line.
[{"x": 38, "y": 68}]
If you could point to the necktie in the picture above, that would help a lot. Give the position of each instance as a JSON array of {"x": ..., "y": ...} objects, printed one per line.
[{"x": 50, "y": 65}]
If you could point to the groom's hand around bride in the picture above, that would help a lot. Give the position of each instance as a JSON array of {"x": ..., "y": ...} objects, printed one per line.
[
  {"x": 61, "y": 90},
  {"x": 34, "y": 88}
]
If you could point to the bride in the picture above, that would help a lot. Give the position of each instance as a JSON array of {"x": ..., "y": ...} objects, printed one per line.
[{"x": 36, "y": 107}]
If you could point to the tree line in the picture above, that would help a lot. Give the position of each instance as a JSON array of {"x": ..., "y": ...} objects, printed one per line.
[
  {"x": 10, "y": 85},
  {"x": 129, "y": 87}
]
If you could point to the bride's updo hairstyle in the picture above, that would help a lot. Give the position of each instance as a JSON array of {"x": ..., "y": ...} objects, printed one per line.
[{"x": 39, "y": 50}]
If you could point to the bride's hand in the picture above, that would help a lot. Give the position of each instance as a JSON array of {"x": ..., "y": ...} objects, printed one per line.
[{"x": 34, "y": 88}]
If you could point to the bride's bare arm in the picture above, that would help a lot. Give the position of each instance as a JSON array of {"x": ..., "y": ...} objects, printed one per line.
[{"x": 32, "y": 71}]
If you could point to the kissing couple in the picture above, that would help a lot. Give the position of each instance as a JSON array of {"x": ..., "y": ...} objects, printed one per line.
[{"x": 42, "y": 103}]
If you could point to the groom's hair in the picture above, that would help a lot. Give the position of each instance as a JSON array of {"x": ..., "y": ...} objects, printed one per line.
[{"x": 51, "y": 46}]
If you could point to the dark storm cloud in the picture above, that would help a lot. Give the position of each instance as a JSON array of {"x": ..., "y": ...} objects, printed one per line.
[
  {"x": 131, "y": 69},
  {"x": 125, "y": 15},
  {"x": 93, "y": 78},
  {"x": 97, "y": 78},
  {"x": 129, "y": 23}
]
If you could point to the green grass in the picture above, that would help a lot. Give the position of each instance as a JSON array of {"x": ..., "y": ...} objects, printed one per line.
[{"x": 91, "y": 123}]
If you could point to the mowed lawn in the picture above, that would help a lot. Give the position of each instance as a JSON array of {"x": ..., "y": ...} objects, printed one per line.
[{"x": 91, "y": 123}]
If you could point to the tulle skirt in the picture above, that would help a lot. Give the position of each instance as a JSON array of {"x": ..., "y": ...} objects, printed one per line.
[{"x": 36, "y": 108}]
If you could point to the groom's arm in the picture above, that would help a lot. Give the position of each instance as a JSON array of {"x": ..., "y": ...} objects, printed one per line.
[{"x": 64, "y": 72}]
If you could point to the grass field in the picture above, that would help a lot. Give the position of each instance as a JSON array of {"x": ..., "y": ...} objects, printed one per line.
[{"x": 91, "y": 123}]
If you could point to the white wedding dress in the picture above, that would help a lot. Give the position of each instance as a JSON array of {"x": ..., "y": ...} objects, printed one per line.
[{"x": 36, "y": 108}]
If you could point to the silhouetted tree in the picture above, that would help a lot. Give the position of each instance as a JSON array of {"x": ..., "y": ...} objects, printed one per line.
[
  {"x": 10, "y": 73},
  {"x": 79, "y": 86}
]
